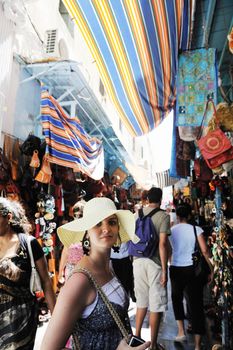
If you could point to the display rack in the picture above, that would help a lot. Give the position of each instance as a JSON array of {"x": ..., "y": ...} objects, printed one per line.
[{"x": 222, "y": 277}]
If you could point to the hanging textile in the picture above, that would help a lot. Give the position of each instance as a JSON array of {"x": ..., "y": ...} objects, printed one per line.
[
  {"x": 164, "y": 179},
  {"x": 197, "y": 78},
  {"x": 67, "y": 143},
  {"x": 173, "y": 170},
  {"x": 135, "y": 45}
]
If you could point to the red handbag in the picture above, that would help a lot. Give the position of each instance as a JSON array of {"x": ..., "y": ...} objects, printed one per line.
[{"x": 215, "y": 147}]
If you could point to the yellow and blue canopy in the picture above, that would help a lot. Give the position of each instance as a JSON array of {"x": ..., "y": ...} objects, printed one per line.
[{"x": 135, "y": 44}]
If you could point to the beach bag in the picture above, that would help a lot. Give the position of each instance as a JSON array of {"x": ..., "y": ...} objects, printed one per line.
[
  {"x": 149, "y": 238},
  {"x": 215, "y": 146}
]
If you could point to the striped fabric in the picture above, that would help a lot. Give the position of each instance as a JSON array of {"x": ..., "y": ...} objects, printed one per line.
[
  {"x": 135, "y": 45},
  {"x": 67, "y": 143},
  {"x": 164, "y": 179}
]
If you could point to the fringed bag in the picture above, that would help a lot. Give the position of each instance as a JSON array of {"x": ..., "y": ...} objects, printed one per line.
[
  {"x": 35, "y": 161},
  {"x": 45, "y": 172}
]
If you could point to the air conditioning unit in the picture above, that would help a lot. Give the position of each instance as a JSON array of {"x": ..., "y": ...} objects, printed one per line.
[{"x": 54, "y": 46}]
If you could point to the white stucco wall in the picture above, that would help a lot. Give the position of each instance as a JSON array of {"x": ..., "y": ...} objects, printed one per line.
[
  {"x": 27, "y": 103},
  {"x": 6, "y": 59}
]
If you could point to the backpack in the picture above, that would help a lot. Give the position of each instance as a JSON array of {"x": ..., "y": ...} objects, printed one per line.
[{"x": 149, "y": 238}]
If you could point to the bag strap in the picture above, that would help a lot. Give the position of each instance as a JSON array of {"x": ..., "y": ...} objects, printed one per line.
[
  {"x": 196, "y": 240},
  {"x": 151, "y": 213},
  {"x": 204, "y": 115},
  {"x": 140, "y": 213},
  {"x": 30, "y": 252},
  {"x": 111, "y": 309}
]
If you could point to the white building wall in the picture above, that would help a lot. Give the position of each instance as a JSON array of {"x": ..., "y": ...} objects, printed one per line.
[
  {"x": 6, "y": 59},
  {"x": 27, "y": 39},
  {"x": 27, "y": 100}
]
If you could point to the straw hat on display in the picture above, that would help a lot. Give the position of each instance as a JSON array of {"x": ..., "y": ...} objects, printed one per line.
[{"x": 96, "y": 210}]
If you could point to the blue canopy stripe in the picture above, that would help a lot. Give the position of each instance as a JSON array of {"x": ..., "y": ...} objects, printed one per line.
[
  {"x": 67, "y": 143},
  {"x": 135, "y": 45}
]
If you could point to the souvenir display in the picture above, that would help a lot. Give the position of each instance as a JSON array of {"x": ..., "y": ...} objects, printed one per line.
[{"x": 45, "y": 229}]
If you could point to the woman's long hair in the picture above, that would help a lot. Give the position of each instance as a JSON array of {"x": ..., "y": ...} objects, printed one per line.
[{"x": 19, "y": 222}]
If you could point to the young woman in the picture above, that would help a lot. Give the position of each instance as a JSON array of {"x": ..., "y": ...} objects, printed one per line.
[
  {"x": 18, "y": 307},
  {"x": 80, "y": 310},
  {"x": 183, "y": 276}
]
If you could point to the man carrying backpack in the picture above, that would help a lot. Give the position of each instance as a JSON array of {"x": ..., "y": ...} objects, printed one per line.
[{"x": 150, "y": 265}]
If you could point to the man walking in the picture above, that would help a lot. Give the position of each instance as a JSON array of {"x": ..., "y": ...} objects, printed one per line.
[{"x": 150, "y": 274}]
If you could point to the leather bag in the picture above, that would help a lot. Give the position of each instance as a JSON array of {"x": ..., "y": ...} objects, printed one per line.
[
  {"x": 35, "y": 161},
  {"x": 31, "y": 143},
  {"x": 215, "y": 147},
  {"x": 202, "y": 171},
  {"x": 45, "y": 172},
  {"x": 4, "y": 168},
  {"x": 201, "y": 267}
]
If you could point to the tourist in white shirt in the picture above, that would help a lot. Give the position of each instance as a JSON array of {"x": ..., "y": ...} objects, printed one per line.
[{"x": 183, "y": 277}]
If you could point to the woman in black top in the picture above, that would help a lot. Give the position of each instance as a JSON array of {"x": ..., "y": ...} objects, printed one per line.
[{"x": 18, "y": 307}]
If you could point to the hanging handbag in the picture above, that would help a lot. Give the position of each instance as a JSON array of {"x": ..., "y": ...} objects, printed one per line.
[
  {"x": 215, "y": 147},
  {"x": 31, "y": 143},
  {"x": 35, "y": 282},
  {"x": 201, "y": 267},
  {"x": 45, "y": 172},
  {"x": 202, "y": 171},
  {"x": 111, "y": 309},
  {"x": 35, "y": 161},
  {"x": 4, "y": 168}
]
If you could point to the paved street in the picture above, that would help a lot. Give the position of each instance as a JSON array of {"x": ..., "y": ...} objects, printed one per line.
[{"x": 167, "y": 332}]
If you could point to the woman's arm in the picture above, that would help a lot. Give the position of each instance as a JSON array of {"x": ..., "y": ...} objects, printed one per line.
[
  {"x": 163, "y": 252},
  {"x": 41, "y": 266},
  {"x": 63, "y": 260},
  {"x": 73, "y": 298}
]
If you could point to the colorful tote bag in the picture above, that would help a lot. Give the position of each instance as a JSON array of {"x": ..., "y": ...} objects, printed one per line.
[{"x": 196, "y": 81}]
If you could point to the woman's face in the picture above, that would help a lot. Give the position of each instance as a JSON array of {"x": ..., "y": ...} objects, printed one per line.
[
  {"x": 105, "y": 233},
  {"x": 4, "y": 225}
]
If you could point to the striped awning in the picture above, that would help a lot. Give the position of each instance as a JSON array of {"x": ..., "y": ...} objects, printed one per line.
[
  {"x": 135, "y": 44},
  {"x": 67, "y": 143},
  {"x": 163, "y": 179}
]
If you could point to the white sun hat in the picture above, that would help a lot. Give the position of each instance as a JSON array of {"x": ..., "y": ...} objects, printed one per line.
[{"x": 96, "y": 210}]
